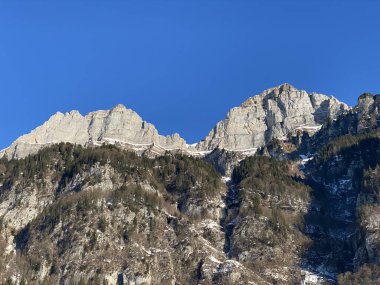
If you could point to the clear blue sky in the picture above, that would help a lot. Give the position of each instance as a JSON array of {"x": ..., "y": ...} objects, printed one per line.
[{"x": 180, "y": 64}]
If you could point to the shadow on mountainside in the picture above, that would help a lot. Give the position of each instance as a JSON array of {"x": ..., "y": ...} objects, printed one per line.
[{"x": 331, "y": 225}]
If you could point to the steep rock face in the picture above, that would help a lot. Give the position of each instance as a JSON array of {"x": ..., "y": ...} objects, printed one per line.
[
  {"x": 364, "y": 117},
  {"x": 368, "y": 112},
  {"x": 118, "y": 125},
  {"x": 272, "y": 114},
  {"x": 224, "y": 161}
]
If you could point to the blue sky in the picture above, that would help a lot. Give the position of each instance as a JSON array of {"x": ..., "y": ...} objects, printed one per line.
[{"x": 181, "y": 65}]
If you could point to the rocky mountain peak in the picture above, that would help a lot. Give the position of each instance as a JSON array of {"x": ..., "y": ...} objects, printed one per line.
[
  {"x": 285, "y": 87},
  {"x": 286, "y": 91},
  {"x": 274, "y": 113},
  {"x": 367, "y": 99},
  {"x": 118, "y": 125},
  {"x": 119, "y": 107},
  {"x": 368, "y": 112}
]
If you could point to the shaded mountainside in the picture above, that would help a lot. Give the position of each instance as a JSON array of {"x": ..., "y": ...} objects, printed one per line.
[
  {"x": 364, "y": 117},
  {"x": 343, "y": 220}
]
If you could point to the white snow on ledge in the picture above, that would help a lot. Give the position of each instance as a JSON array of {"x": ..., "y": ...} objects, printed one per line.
[
  {"x": 199, "y": 153},
  {"x": 111, "y": 140},
  {"x": 309, "y": 127},
  {"x": 306, "y": 158},
  {"x": 226, "y": 179},
  {"x": 253, "y": 150},
  {"x": 155, "y": 148},
  {"x": 310, "y": 278}
]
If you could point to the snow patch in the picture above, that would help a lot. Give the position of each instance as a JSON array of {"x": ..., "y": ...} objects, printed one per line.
[
  {"x": 226, "y": 179},
  {"x": 312, "y": 128},
  {"x": 310, "y": 278},
  {"x": 210, "y": 224}
]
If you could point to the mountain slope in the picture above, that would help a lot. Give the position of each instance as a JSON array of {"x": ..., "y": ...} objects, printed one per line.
[{"x": 100, "y": 215}]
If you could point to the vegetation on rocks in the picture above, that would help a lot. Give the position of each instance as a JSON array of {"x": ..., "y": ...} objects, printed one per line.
[{"x": 368, "y": 274}]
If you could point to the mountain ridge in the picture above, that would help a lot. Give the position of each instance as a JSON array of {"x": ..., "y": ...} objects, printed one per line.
[{"x": 273, "y": 113}]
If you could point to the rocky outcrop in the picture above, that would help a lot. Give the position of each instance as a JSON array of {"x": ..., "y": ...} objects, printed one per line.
[
  {"x": 117, "y": 126},
  {"x": 363, "y": 118},
  {"x": 272, "y": 114},
  {"x": 368, "y": 112}
]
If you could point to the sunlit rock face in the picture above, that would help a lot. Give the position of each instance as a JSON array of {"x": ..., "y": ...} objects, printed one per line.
[
  {"x": 118, "y": 125},
  {"x": 368, "y": 112},
  {"x": 275, "y": 113},
  {"x": 272, "y": 114}
]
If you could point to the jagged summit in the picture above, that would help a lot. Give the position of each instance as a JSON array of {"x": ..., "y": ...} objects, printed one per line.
[
  {"x": 274, "y": 113},
  {"x": 275, "y": 91},
  {"x": 118, "y": 125},
  {"x": 119, "y": 106},
  {"x": 281, "y": 90}
]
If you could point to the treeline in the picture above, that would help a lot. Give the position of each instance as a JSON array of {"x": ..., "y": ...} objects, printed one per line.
[
  {"x": 371, "y": 184},
  {"x": 266, "y": 188},
  {"x": 176, "y": 176},
  {"x": 348, "y": 152},
  {"x": 346, "y": 144},
  {"x": 269, "y": 177},
  {"x": 182, "y": 173}
]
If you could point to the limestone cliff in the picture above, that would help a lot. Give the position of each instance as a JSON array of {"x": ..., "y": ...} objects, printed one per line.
[
  {"x": 274, "y": 113},
  {"x": 117, "y": 126}
]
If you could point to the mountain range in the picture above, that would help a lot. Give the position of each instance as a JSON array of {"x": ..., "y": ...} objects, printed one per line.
[
  {"x": 284, "y": 190},
  {"x": 275, "y": 113}
]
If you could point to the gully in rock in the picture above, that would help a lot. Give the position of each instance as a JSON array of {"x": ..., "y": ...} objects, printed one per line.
[{"x": 231, "y": 211}]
